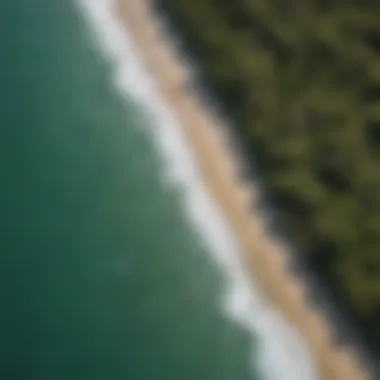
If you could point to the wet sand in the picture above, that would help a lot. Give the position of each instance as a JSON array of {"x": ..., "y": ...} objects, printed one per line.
[{"x": 265, "y": 258}]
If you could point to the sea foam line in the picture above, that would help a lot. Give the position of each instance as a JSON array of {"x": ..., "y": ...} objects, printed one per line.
[{"x": 283, "y": 355}]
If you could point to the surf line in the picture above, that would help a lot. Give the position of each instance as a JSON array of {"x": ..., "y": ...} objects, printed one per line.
[{"x": 282, "y": 354}]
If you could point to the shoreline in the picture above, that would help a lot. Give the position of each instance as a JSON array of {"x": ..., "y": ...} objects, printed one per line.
[
  {"x": 320, "y": 296},
  {"x": 265, "y": 258}
]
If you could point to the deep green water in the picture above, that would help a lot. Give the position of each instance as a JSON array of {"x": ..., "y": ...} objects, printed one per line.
[{"x": 101, "y": 274}]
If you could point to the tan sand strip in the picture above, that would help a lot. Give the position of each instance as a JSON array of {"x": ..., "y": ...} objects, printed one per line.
[{"x": 219, "y": 163}]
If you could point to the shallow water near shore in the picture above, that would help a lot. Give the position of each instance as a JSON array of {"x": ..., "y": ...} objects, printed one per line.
[{"x": 103, "y": 274}]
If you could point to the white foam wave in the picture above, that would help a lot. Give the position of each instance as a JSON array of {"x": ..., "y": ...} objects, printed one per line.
[{"x": 282, "y": 353}]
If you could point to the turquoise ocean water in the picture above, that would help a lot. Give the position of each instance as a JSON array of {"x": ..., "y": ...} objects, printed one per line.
[{"x": 102, "y": 273}]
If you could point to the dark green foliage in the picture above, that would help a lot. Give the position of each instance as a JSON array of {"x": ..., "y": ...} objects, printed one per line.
[{"x": 302, "y": 80}]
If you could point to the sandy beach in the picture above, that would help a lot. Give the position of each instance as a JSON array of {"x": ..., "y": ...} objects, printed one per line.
[{"x": 220, "y": 166}]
